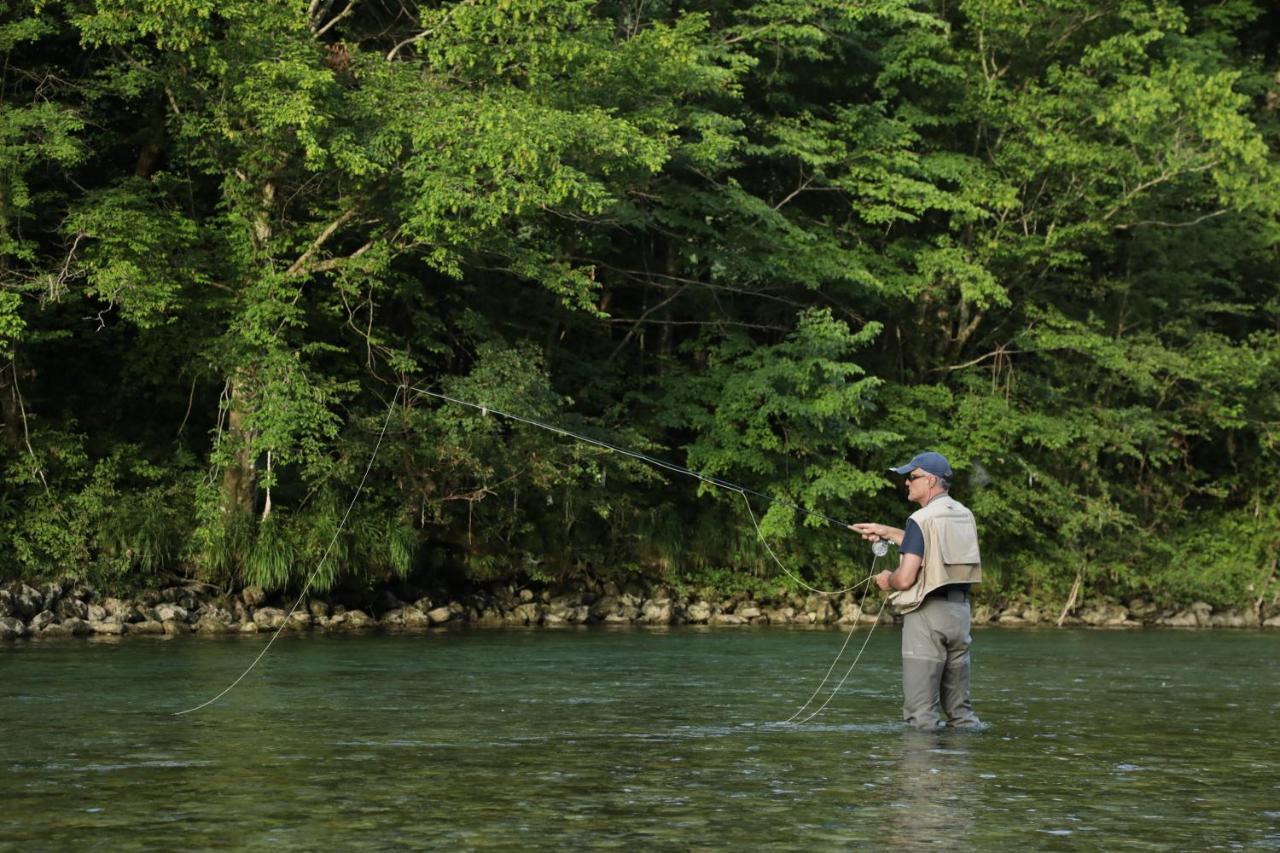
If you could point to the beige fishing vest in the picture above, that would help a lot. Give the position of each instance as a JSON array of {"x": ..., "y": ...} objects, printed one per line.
[{"x": 950, "y": 551}]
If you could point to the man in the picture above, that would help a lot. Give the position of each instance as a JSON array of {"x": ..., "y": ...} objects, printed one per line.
[{"x": 938, "y": 561}]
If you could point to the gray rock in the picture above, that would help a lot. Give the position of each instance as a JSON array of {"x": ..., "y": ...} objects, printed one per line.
[
  {"x": 171, "y": 613},
  {"x": 528, "y": 613},
  {"x": 11, "y": 628},
  {"x": 358, "y": 619},
  {"x": 605, "y": 605},
  {"x": 440, "y": 615},
  {"x": 97, "y": 613},
  {"x": 1272, "y": 622},
  {"x": 40, "y": 621},
  {"x": 726, "y": 619},
  {"x": 209, "y": 624},
  {"x": 268, "y": 617},
  {"x": 618, "y": 617},
  {"x": 748, "y": 611},
  {"x": 146, "y": 626},
  {"x": 490, "y": 617},
  {"x": 1103, "y": 613},
  {"x": 6, "y": 603},
  {"x": 699, "y": 612},
  {"x": 1195, "y": 616},
  {"x": 173, "y": 627},
  {"x": 1231, "y": 619},
  {"x": 298, "y": 620},
  {"x": 77, "y": 626},
  {"x": 253, "y": 596},
  {"x": 393, "y": 618},
  {"x": 71, "y": 608},
  {"x": 108, "y": 628},
  {"x": 781, "y": 615},
  {"x": 55, "y": 631},
  {"x": 50, "y": 593},
  {"x": 1142, "y": 608},
  {"x": 415, "y": 618},
  {"x": 981, "y": 614},
  {"x": 27, "y": 601},
  {"x": 317, "y": 608},
  {"x": 657, "y": 611}
]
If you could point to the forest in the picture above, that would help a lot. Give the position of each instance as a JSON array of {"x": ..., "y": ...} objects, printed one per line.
[{"x": 784, "y": 243}]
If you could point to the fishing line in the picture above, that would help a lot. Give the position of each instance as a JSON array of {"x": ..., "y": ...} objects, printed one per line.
[
  {"x": 305, "y": 589},
  {"x": 879, "y": 549},
  {"x": 644, "y": 457},
  {"x": 673, "y": 467}
]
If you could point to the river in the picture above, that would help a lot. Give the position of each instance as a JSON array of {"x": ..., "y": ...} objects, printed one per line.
[{"x": 667, "y": 739}]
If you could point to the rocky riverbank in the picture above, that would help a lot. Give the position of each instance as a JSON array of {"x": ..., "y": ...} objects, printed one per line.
[{"x": 70, "y": 609}]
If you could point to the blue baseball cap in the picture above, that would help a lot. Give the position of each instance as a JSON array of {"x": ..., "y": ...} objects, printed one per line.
[{"x": 929, "y": 462}]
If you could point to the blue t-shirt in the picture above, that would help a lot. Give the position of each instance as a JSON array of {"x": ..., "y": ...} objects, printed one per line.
[{"x": 912, "y": 539}]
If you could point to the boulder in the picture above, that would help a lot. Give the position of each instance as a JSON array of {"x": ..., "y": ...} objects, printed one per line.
[
  {"x": 726, "y": 619},
  {"x": 1103, "y": 614},
  {"x": 658, "y": 611},
  {"x": 173, "y": 627},
  {"x": 50, "y": 593},
  {"x": 270, "y": 618},
  {"x": 1272, "y": 622},
  {"x": 108, "y": 628},
  {"x": 415, "y": 618},
  {"x": 54, "y": 631},
  {"x": 210, "y": 624},
  {"x": 71, "y": 608},
  {"x": 981, "y": 614},
  {"x": 1195, "y": 616},
  {"x": 781, "y": 615},
  {"x": 170, "y": 613},
  {"x": 253, "y": 596},
  {"x": 77, "y": 626},
  {"x": 97, "y": 613},
  {"x": 1232, "y": 619},
  {"x": 146, "y": 626},
  {"x": 250, "y": 627},
  {"x": 699, "y": 612},
  {"x": 358, "y": 619},
  {"x": 317, "y": 608},
  {"x": 440, "y": 615},
  {"x": 298, "y": 620},
  {"x": 121, "y": 610},
  {"x": 6, "y": 603},
  {"x": 27, "y": 601},
  {"x": 748, "y": 611},
  {"x": 528, "y": 613},
  {"x": 11, "y": 628},
  {"x": 40, "y": 621}
]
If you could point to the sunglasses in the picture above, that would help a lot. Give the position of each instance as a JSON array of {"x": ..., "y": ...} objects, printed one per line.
[{"x": 915, "y": 477}]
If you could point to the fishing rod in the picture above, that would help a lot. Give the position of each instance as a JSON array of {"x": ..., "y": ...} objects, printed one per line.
[{"x": 634, "y": 454}]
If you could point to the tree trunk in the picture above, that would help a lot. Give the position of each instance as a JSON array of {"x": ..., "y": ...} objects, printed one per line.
[{"x": 239, "y": 479}]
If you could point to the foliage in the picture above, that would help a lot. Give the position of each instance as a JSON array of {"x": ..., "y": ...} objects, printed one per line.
[{"x": 786, "y": 243}]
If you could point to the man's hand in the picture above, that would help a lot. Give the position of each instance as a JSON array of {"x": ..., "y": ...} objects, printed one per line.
[
  {"x": 873, "y": 532},
  {"x": 882, "y": 580}
]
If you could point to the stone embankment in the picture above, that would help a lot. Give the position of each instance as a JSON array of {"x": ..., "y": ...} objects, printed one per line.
[{"x": 76, "y": 610}]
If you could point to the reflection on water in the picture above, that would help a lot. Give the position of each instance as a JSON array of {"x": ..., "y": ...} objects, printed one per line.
[{"x": 614, "y": 738}]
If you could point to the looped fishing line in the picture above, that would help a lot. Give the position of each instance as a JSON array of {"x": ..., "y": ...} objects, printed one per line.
[
  {"x": 484, "y": 410},
  {"x": 310, "y": 579}
]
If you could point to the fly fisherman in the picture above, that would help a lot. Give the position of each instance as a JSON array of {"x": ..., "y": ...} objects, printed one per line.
[{"x": 938, "y": 561}]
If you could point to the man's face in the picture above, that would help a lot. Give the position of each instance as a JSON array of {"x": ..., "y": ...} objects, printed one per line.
[{"x": 918, "y": 484}]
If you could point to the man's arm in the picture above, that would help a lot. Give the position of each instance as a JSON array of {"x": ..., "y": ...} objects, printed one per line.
[
  {"x": 872, "y": 532},
  {"x": 903, "y": 577}
]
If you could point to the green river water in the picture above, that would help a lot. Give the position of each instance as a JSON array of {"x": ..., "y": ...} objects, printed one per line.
[{"x": 661, "y": 739}]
